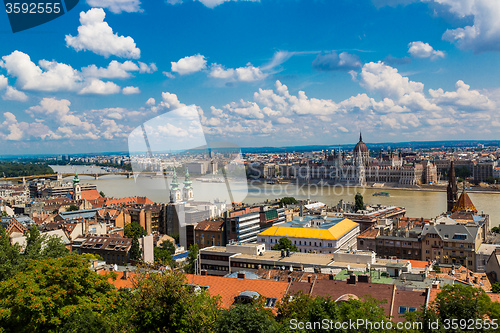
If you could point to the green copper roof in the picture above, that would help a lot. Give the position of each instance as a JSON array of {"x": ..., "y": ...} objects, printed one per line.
[
  {"x": 76, "y": 180},
  {"x": 187, "y": 181},
  {"x": 175, "y": 182}
]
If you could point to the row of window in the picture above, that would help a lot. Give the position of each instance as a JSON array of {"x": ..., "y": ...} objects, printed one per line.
[
  {"x": 214, "y": 267},
  {"x": 303, "y": 243}
]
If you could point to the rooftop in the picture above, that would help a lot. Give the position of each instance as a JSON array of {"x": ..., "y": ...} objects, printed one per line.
[{"x": 312, "y": 227}]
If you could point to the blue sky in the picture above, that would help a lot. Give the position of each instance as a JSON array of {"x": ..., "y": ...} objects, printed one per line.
[{"x": 260, "y": 73}]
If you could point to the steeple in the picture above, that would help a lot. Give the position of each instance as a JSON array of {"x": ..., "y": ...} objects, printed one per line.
[
  {"x": 187, "y": 180},
  {"x": 452, "y": 189},
  {"x": 175, "y": 182},
  {"x": 360, "y": 137},
  {"x": 76, "y": 180}
]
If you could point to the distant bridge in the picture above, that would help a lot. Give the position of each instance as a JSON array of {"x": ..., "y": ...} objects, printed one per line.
[{"x": 56, "y": 176}]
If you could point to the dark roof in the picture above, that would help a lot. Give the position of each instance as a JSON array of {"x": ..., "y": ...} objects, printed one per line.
[{"x": 209, "y": 226}]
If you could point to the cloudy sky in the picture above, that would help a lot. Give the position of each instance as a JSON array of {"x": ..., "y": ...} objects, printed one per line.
[{"x": 259, "y": 73}]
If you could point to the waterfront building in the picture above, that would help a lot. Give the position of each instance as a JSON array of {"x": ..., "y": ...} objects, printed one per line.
[
  {"x": 313, "y": 234},
  {"x": 362, "y": 169}
]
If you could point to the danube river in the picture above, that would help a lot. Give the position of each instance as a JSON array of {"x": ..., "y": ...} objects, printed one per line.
[{"x": 425, "y": 204}]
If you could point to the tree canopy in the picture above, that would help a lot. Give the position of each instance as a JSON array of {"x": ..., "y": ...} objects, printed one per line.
[
  {"x": 191, "y": 259},
  {"x": 50, "y": 291},
  {"x": 288, "y": 201},
  {"x": 134, "y": 230},
  {"x": 358, "y": 202},
  {"x": 283, "y": 244}
]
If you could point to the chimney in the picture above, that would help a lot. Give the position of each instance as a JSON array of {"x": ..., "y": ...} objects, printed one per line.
[
  {"x": 241, "y": 275},
  {"x": 203, "y": 272},
  {"x": 289, "y": 278},
  {"x": 126, "y": 274},
  {"x": 309, "y": 278},
  {"x": 282, "y": 253},
  {"x": 287, "y": 252}
]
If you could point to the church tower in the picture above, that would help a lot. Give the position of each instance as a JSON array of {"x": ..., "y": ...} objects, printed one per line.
[
  {"x": 77, "y": 190},
  {"x": 175, "y": 191},
  {"x": 452, "y": 189},
  {"x": 187, "y": 191}
]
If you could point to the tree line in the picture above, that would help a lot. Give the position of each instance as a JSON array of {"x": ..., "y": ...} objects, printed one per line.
[{"x": 47, "y": 289}]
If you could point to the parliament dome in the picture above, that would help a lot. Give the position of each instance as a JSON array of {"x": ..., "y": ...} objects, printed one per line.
[{"x": 361, "y": 146}]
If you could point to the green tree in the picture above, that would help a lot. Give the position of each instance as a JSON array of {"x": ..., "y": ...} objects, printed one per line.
[
  {"x": 11, "y": 261},
  {"x": 283, "y": 244},
  {"x": 460, "y": 302},
  {"x": 169, "y": 246},
  {"x": 34, "y": 241},
  {"x": 46, "y": 295},
  {"x": 495, "y": 288},
  {"x": 134, "y": 230},
  {"x": 244, "y": 318},
  {"x": 135, "y": 250},
  {"x": 4, "y": 213},
  {"x": 163, "y": 302},
  {"x": 358, "y": 202},
  {"x": 162, "y": 255},
  {"x": 102, "y": 194},
  {"x": 73, "y": 208},
  {"x": 53, "y": 247},
  {"x": 191, "y": 259},
  {"x": 288, "y": 201},
  {"x": 496, "y": 230}
]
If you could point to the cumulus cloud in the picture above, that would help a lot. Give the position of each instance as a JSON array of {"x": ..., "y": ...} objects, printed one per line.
[
  {"x": 463, "y": 98},
  {"x": 48, "y": 76},
  {"x": 115, "y": 70},
  {"x": 248, "y": 73},
  {"x": 424, "y": 50},
  {"x": 331, "y": 61},
  {"x": 131, "y": 90},
  {"x": 117, "y": 6},
  {"x": 189, "y": 65},
  {"x": 12, "y": 94},
  {"x": 95, "y": 35},
  {"x": 98, "y": 87}
]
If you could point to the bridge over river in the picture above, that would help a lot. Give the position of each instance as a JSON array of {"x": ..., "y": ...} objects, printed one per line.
[{"x": 60, "y": 176}]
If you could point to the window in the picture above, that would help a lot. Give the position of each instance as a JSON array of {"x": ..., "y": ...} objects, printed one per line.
[
  {"x": 361, "y": 242},
  {"x": 270, "y": 302},
  {"x": 402, "y": 309}
]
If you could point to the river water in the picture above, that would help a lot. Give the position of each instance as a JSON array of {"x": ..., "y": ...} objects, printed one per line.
[{"x": 425, "y": 204}]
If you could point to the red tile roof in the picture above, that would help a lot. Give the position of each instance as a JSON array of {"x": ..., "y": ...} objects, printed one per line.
[{"x": 228, "y": 288}]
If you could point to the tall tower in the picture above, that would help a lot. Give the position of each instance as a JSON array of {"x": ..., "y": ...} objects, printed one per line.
[
  {"x": 452, "y": 189},
  {"x": 175, "y": 191},
  {"x": 187, "y": 191},
  {"x": 77, "y": 190}
]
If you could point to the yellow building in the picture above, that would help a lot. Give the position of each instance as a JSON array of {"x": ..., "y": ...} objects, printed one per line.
[{"x": 313, "y": 234}]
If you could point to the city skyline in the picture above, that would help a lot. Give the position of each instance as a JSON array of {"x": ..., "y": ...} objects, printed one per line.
[{"x": 260, "y": 73}]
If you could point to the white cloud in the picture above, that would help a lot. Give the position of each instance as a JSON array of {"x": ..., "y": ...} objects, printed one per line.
[
  {"x": 3, "y": 82},
  {"x": 50, "y": 76},
  {"x": 248, "y": 73},
  {"x": 99, "y": 87},
  {"x": 424, "y": 50},
  {"x": 145, "y": 68},
  {"x": 150, "y": 102},
  {"x": 97, "y": 36},
  {"x": 170, "y": 101},
  {"x": 12, "y": 94},
  {"x": 385, "y": 80},
  {"x": 463, "y": 97},
  {"x": 131, "y": 90},
  {"x": 115, "y": 70},
  {"x": 189, "y": 65},
  {"x": 117, "y": 6}
]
